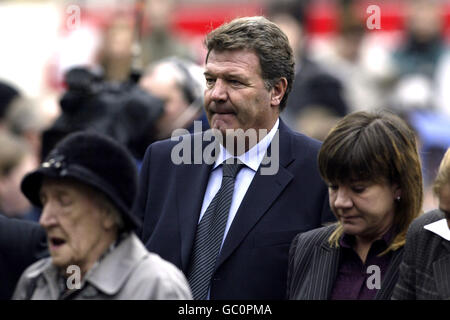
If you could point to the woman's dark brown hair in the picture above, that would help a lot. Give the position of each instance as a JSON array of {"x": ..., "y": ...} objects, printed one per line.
[{"x": 375, "y": 147}]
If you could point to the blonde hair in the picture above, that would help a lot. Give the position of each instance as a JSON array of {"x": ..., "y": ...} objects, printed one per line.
[{"x": 443, "y": 175}]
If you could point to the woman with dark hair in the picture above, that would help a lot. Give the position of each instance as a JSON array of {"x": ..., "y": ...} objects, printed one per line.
[{"x": 371, "y": 165}]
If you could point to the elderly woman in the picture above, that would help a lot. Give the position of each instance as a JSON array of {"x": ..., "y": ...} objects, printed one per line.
[
  {"x": 86, "y": 188},
  {"x": 425, "y": 270},
  {"x": 371, "y": 165}
]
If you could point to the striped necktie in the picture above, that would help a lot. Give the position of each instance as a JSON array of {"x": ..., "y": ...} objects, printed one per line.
[{"x": 210, "y": 232}]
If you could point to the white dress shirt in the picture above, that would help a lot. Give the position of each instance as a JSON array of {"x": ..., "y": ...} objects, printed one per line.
[{"x": 252, "y": 160}]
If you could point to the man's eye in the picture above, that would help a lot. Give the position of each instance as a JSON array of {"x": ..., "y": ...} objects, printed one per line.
[
  {"x": 210, "y": 82},
  {"x": 235, "y": 82}
]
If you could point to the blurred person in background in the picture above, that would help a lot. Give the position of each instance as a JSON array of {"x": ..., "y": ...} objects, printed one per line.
[
  {"x": 422, "y": 76},
  {"x": 21, "y": 244},
  {"x": 417, "y": 58},
  {"x": 180, "y": 84},
  {"x": 423, "y": 44},
  {"x": 16, "y": 160},
  {"x": 86, "y": 188},
  {"x": 316, "y": 101},
  {"x": 123, "y": 111},
  {"x": 362, "y": 89},
  {"x": 158, "y": 39},
  {"x": 116, "y": 52},
  {"x": 425, "y": 270},
  {"x": 7, "y": 95},
  {"x": 26, "y": 120},
  {"x": 372, "y": 167}
]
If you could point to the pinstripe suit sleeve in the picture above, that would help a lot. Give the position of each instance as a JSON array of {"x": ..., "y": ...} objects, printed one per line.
[
  {"x": 423, "y": 249},
  {"x": 301, "y": 260},
  {"x": 291, "y": 264}
]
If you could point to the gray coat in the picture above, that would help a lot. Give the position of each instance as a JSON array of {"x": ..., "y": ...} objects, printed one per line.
[
  {"x": 425, "y": 270},
  {"x": 129, "y": 272}
]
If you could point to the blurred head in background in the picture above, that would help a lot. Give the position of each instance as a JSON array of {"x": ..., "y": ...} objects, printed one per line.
[
  {"x": 180, "y": 84},
  {"x": 16, "y": 159},
  {"x": 424, "y": 20},
  {"x": 441, "y": 187}
]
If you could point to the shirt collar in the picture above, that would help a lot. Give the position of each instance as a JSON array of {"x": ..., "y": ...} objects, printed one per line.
[
  {"x": 347, "y": 240},
  {"x": 440, "y": 228},
  {"x": 253, "y": 157}
]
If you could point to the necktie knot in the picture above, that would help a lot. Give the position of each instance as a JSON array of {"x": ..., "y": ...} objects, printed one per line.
[{"x": 231, "y": 170}]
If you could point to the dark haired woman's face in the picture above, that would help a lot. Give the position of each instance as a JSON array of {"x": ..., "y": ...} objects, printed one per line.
[{"x": 365, "y": 209}]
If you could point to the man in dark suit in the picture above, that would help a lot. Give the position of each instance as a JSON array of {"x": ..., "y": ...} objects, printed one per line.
[
  {"x": 21, "y": 244},
  {"x": 276, "y": 194}
]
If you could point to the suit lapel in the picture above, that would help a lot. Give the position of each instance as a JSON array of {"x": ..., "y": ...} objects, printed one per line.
[
  {"x": 325, "y": 267},
  {"x": 192, "y": 181},
  {"x": 391, "y": 276},
  {"x": 441, "y": 271},
  {"x": 262, "y": 192}
]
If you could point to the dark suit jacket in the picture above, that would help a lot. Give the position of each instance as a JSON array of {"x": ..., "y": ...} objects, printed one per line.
[
  {"x": 425, "y": 270},
  {"x": 21, "y": 244},
  {"x": 253, "y": 260},
  {"x": 314, "y": 265}
]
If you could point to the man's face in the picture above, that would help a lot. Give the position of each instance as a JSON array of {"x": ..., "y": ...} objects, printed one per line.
[
  {"x": 235, "y": 95},
  {"x": 162, "y": 83},
  {"x": 78, "y": 231}
]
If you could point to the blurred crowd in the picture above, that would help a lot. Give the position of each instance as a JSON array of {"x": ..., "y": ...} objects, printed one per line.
[{"x": 127, "y": 71}]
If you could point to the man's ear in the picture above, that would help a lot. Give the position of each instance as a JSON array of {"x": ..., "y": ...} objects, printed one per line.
[{"x": 278, "y": 91}]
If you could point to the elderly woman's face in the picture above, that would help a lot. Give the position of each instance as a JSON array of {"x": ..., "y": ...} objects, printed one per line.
[
  {"x": 365, "y": 209},
  {"x": 78, "y": 231},
  {"x": 444, "y": 201}
]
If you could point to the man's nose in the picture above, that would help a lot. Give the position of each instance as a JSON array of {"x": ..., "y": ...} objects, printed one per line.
[{"x": 219, "y": 91}]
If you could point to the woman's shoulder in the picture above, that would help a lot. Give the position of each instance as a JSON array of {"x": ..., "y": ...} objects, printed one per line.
[
  {"x": 308, "y": 240},
  {"x": 317, "y": 235}
]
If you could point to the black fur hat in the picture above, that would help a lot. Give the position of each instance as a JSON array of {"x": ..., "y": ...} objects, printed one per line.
[{"x": 95, "y": 160}]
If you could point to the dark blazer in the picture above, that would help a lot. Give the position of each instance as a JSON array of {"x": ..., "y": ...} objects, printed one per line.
[
  {"x": 21, "y": 244},
  {"x": 314, "y": 265},
  {"x": 253, "y": 260},
  {"x": 425, "y": 270}
]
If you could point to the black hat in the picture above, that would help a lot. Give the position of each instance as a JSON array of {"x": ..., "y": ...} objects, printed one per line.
[{"x": 95, "y": 160}]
